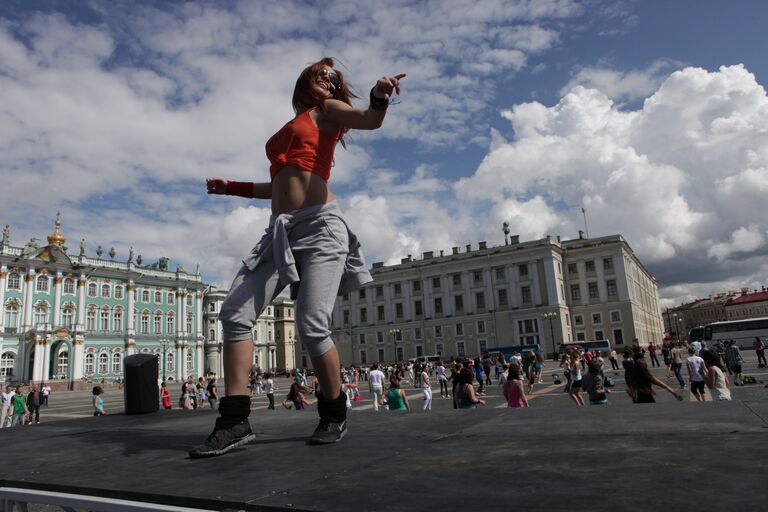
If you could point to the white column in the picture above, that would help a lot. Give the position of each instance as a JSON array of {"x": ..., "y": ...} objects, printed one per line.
[
  {"x": 533, "y": 271},
  {"x": 181, "y": 361},
  {"x": 57, "y": 299},
  {"x": 490, "y": 290},
  {"x": 78, "y": 359},
  {"x": 29, "y": 280},
  {"x": 199, "y": 313},
  {"x": 408, "y": 309},
  {"x": 37, "y": 370},
  {"x": 3, "y": 275},
  {"x": 131, "y": 325},
  {"x": 47, "y": 359},
  {"x": 200, "y": 371},
  {"x": 180, "y": 312},
  {"x": 81, "y": 303}
]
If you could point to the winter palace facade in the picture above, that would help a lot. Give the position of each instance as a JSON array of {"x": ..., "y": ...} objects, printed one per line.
[{"x": 74, "y": 318}]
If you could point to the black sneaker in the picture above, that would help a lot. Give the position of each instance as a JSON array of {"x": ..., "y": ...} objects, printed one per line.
[
  {"x": 328, "y": 432},
  {"x": 223, "y": 440}
]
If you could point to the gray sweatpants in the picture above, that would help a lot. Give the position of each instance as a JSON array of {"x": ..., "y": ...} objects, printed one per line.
[{"x": 320, "y": 246}]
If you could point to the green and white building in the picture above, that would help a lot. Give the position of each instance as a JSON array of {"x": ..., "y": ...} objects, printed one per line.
[{"x": 72, "y": 318}]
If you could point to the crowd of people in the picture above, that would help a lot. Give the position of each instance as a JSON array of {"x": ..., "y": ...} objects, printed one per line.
[
  {"x": 464, "y": 380},
  {"x": 20, "y": 409}
]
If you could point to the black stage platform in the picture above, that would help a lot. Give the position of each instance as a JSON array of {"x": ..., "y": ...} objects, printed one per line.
[{"x": 670, "y": 455}]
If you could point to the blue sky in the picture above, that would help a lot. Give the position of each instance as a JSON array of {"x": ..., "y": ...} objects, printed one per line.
[{"x": 651, "y": 115}]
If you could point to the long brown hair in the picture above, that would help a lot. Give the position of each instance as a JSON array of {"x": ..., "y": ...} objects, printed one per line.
[{"x": 304, "y": 96}]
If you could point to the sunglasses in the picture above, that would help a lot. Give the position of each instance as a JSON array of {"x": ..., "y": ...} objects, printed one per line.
[{"x": 333, "y": 78}]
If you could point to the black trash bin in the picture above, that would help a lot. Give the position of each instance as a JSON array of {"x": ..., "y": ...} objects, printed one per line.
[{"x": 141, "y": 391}]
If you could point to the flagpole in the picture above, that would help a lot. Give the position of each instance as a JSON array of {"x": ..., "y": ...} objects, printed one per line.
[{"x": 586, "y": 228}]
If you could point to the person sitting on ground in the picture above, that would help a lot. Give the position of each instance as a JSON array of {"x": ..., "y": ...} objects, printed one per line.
[
  {"x": 296, "y": 397},
  {"x": 643, "y": 381},
  {"x": 395, "y": 398},
  {"x": 513, "y": 388}
]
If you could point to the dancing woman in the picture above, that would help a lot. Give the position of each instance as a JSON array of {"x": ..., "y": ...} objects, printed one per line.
[{"x": 307, "y": 245}]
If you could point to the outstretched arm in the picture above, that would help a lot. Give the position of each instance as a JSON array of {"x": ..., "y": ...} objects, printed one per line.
[
  {"x": 239, "y": 188},
  {"x": 370, "y": 118}
]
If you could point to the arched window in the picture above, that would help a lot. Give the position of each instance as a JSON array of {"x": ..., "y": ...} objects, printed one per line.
[
  {"x": 170, "y": 324},
  {"x": 62, "y": 363},
  {"x": 169, "y": 361},
  {"x": 105, "y": 291},
  {"x": 103, "y": 363},
  {"x": 158, "y": 323},
  {"x": 213, "y": 335},
  {"x": 12, "y": 315},
  {"x": 145, "y": 296},
  {"x": 158, "y": 297},
  {"x": 117, "y": 320},
  {"x": 89, "y": 360},
  {"x": 119, "y": 292},
  {"x": 104, "y": 319},
  {"x": 67, "y": 316},
  {"x": 14, "y": 281},
  {"x": 41, "y": 314},
  {"x": 90, "y": 319},
  {"x": 189, "y": 300},
  {"x": 190, "y": 360},
  {"x": 7, "y": 361},
  {"x": 42, "y": 283},
  {"x": 145, "y": 322},
  {"x": 92, "y": 289},
  {"x": 189, "y": 323},
  {"x": 117, "y": 363},
  {"x": 69, "y": 286},
  {"x": 171, "y": 298}
]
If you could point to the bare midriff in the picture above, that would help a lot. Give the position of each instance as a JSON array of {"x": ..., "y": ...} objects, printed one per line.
[{"x": 293, "y": 189}]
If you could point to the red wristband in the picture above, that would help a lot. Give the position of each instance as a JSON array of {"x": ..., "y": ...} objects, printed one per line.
[{"x": 240, "y": 188}]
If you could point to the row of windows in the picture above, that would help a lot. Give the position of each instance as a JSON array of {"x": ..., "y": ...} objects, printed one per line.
[
  {"x": 592, "y": 290},
  {"x": 524, "y": 326},
  {"x": 589, "y": 266},
  {"x": 107, "y": 320},
  {"x": 526, "y": 297},
  {"x": 105, "y": 291},
  {"x": 597, "y": 318},
  {"x": 436, "y": 282},
  {"x": 8, "y": 360},
  {"x": 599, "y": 334}
]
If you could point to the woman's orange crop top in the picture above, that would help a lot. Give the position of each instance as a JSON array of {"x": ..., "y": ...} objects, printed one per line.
[{"x": 302, "y": 145}]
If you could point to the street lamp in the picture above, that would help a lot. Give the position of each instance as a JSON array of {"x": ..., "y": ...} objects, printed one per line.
[
  {"x": 164, "y": 344},
  {"x": 551, "y": 317},
  {"x": 395, "y": 333}
]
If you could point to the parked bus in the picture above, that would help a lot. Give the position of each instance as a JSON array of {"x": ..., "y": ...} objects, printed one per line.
[
  {"x": 603, "y": 346},
  {"x": 743, "y": 331},
  {"x": 510, "y": 350},
  {"x": 696, "y": 334}
]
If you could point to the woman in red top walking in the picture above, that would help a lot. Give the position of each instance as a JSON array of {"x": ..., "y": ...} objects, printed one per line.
[{"x": 307, "y": 246}]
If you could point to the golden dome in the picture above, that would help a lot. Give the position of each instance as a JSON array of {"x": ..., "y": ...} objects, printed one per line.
[{"x": 56, "y": 238}]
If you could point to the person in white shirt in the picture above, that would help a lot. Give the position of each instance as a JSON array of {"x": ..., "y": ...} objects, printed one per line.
[
  {"x": 443, "y": 380},
  {"x": 46, "y": 391},
  {"x": 426, "y": 388},
  {"x": 694, "y": 363},
  {"x": 714, "y": 375},
  {"x": 376, "y": 383},
  {"x": 7, "y": 415}
]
